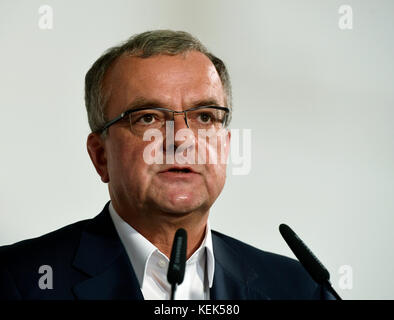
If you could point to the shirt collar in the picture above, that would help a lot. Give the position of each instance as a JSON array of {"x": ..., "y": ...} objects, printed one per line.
[{"x": 139, "y": 249}]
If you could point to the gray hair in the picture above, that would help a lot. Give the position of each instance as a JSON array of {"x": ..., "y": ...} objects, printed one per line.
[{"x": 144, "y": 45}]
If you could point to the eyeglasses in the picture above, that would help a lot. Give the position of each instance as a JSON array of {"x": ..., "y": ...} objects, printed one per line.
[{"x": 202, "y": 117}]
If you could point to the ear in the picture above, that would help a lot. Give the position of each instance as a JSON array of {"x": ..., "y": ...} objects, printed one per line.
[{"x": 97, "y": 153}]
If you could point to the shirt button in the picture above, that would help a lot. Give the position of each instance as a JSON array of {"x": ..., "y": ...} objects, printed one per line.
[{"x": 162, "y": 263}]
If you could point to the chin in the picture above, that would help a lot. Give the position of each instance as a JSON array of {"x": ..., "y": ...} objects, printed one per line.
[{"x": 181, "y": 204}]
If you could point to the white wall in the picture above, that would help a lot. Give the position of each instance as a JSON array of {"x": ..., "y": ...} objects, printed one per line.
[{"x": 318, "y": 99}]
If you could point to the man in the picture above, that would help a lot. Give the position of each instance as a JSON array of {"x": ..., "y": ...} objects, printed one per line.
[{"x": 140, "y": 95}]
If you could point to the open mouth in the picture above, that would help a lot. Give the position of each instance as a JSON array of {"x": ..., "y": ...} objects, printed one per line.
[
  {"x": 177, "y": 170},
  {"x": 176, "y": 174}
]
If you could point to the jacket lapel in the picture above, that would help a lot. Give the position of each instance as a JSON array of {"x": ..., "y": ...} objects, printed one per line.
[
  {"x": 102, "y": 257},
  {"x": 110, "y": 275},
  {"x": 233, "y": 279}
]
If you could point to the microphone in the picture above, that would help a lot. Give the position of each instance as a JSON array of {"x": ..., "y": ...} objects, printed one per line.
[
  {"x": 309, "y": 261},
  {"x": 176, "y": 267}
]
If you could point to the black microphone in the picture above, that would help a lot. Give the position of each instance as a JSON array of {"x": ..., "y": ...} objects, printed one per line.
[
  {"x": 176, "y": 267},
  {"x": 309, "y": 261}
]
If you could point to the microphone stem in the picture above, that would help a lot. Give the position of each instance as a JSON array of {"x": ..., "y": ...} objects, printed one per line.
[
  {"x": 329, "y": 287},
  {"x": 173, "y": 288}
]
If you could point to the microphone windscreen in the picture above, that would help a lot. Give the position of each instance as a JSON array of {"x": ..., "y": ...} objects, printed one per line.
[
  {"x": 310, "y": 262},
  {"x": 176, "y": 267}
]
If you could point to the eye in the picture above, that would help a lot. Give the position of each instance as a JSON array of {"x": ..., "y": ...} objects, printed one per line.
[
  {"x": 147, "y": 119},
  {"x": 205, "y": 117}
]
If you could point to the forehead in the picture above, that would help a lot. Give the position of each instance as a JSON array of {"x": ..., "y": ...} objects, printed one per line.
[{"x": 175, "y": 81}]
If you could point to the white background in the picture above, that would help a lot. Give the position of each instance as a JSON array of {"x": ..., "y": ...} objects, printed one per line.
[{"x": 319, "y": 101}]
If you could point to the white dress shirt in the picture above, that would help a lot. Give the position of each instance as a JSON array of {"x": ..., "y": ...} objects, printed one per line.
[{"x": 150, "y": 265}]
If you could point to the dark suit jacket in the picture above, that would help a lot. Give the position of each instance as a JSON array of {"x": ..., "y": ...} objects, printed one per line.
[{"x": 89, "y": 261}]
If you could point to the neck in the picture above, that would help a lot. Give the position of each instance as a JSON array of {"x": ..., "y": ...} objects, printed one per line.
[{"x": 160, "y": 227}]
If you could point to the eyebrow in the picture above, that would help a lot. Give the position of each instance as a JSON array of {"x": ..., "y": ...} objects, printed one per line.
[{"x": 141, "y": 102}]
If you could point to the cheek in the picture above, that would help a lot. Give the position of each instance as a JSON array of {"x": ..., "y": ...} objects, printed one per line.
[
  {"x": 216, "y": 177},
  {"x": 216, "y": 148},
  {"x": 125, "y": 158}
]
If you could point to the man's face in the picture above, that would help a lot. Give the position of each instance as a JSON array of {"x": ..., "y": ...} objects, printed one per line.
[{"x": 176, "y": 82}]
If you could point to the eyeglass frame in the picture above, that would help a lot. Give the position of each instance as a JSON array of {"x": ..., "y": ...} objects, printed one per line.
[{"x": 130, "y": 111}]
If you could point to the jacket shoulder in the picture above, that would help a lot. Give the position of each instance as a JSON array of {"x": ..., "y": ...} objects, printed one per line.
[
  {"x": 49, "y": 248},
  {"x": 280, "y": 276},
  {"x": 21, "y": 263},
  {"x": 55, "y": 241},
  {"x": 254, "y": 253}
]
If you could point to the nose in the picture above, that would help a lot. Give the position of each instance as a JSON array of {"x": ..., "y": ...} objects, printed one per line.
[
  {"x": 180, "y": 119},
  {"x": 179, "y": 139},
  {"x": 180, "y": 123}
]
